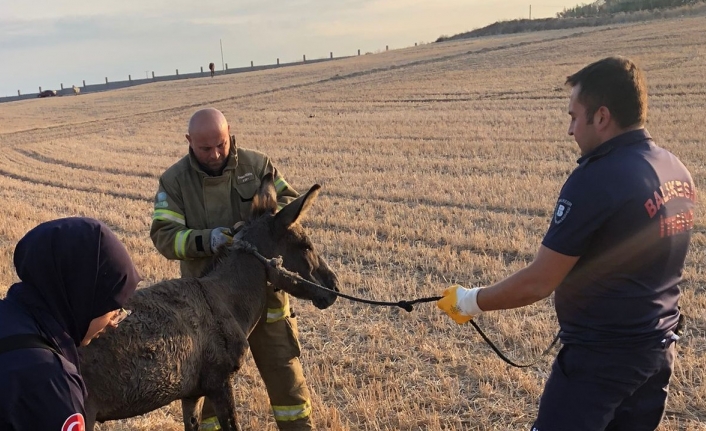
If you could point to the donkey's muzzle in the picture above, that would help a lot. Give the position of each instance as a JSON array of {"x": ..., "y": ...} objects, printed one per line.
[{"x": 326, "y": 297}]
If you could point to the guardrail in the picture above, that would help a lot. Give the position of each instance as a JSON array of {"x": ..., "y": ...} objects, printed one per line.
[{"x": 113, "y": 85}]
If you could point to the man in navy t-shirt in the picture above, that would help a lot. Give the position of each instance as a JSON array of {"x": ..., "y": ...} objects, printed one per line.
[{"x": 614, "y": 253}]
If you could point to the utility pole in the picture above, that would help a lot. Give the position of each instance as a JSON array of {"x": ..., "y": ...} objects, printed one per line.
[
  {"x": 223, "y": 64},
  {"x": 530, "y": 12}
]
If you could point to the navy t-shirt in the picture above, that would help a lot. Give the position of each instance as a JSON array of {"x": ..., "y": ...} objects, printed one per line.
[{"x": 628, "y": 212}]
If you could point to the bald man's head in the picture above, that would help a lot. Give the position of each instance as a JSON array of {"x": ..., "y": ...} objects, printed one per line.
[
  {"x": 208, "y": 119},
  {"x": 209, "y": 138}
]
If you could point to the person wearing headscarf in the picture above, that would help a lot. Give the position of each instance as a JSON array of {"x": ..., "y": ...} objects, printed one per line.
[{"x": 75, "y": 276}]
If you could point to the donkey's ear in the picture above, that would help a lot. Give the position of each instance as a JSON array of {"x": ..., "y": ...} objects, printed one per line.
[
  {"x": 297, "y": 208},
  {"x": 265, "y": 200}
]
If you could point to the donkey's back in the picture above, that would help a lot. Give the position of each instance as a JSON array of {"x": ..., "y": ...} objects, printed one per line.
[{"x": 177, "y": 329}]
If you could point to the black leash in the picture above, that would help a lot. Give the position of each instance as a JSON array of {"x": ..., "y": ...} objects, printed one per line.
[
  {"x": 507, "y": 360},
  {"x": 406, "y": 305},
  {"x": 276, "y": 263}
]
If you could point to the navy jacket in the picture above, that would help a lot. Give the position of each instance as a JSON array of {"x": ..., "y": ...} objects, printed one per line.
[{"x": 71, "y": 270}]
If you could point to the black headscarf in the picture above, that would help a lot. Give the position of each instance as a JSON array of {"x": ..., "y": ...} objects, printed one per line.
[{"x": 75, "y": 269}]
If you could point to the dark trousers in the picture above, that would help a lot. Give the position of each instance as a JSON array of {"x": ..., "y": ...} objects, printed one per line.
[{"x": 606, "y": 389}]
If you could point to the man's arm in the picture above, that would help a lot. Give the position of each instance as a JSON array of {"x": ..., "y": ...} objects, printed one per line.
[
  {"x": 169, "y": 233},
  {"x": 530, "y": 284}
]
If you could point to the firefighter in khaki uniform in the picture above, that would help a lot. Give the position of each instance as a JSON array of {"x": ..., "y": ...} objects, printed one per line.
[{"x": 199, "y": 198}]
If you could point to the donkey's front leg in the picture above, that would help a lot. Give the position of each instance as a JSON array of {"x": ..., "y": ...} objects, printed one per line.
[
  {"x": 91, "y": 412},
  {"x": 191, "y": 413},
  {"x": 224, "y": 404}
]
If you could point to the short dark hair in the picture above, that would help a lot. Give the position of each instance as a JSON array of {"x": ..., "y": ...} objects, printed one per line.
[{"x": 616, "y": 83}]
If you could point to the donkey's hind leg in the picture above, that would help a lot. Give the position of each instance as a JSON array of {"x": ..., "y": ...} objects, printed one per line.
[
  {"x": 224, "y": 403},
  {"x": 191, "y": 413}
]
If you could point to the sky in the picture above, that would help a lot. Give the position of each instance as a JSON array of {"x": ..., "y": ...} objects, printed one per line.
[{"x": 49, "y": 42}]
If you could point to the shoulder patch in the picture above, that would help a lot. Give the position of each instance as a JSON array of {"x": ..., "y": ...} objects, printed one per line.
[
  {"x": 563, "y": 207},
  {"x": 74, "y": 422},
  {"x": 161, "y": 200}
]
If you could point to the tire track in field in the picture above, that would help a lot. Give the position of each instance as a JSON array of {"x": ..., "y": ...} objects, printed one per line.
[
  {"x": 99, "y": 124},
  {"x": 468, "y": 99},
  {"x": 468, "y": 138},
  {"x": 80, "y": 166},
  {"x": 413, "y": 202},
  {"x": 71, "y": 130},
  {"x": 87, "y": 189},
  {"x": 368, "y": 263},
  {"x": 361, "y": 263},
  {"x": 509, "y": 255}
]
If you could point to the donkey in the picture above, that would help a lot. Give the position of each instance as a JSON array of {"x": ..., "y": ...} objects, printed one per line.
[{"x": 186, "y": 338}]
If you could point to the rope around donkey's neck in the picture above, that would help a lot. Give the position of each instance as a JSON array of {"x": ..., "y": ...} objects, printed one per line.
[{"x": 276, "y": 263}]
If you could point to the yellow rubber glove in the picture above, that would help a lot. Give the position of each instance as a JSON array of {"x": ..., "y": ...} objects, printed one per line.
[{"x": 460, "y": 303}]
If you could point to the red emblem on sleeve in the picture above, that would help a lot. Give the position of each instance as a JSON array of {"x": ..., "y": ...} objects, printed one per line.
[{"x": 74, "y": 422}]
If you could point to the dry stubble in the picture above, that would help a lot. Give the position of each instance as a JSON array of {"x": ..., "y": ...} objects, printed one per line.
[{"x": 439, "y": 164}]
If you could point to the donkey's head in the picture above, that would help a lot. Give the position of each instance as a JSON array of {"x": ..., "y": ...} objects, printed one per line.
[{"x": 280, "y": 234}]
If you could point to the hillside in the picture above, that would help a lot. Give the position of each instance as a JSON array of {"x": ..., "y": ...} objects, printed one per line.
[{"x": 601, "y": 12}]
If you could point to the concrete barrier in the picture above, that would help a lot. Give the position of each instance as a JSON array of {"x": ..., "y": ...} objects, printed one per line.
[{"x": 114, "y": 85}]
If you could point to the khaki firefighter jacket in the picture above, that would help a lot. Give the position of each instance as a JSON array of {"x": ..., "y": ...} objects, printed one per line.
[{"x": 190, "y": 203}]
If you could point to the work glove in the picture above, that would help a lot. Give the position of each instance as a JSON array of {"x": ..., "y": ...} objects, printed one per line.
[
  {"x": 460, "y": 303},
  {"x": 219, "y": 237}
]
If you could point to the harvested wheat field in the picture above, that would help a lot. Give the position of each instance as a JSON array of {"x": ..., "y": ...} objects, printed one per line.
[{"x": 439, "y": 164}]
